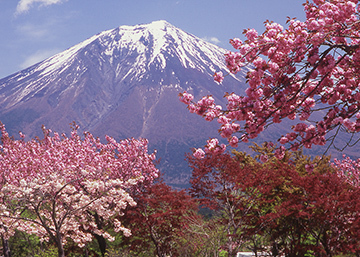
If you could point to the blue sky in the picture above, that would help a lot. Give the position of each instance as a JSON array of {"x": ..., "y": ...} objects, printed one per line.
[{"x": 32, "y": 30}]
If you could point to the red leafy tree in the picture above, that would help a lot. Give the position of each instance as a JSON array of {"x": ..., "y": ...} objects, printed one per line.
[
  {"x": 220, "y": 182},
  {"x": 157, "y": 220},
  {"x": 300, "y": 206},
  {"x": 310, "y": 67},
  {"x": 59, "y": 188},
  {"x": 307, "y": 208}
]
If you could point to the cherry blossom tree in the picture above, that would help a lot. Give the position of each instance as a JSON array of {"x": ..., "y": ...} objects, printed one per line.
[
  {"x": 59, "y": 187},
  {"x": 307, "y": 72},
  {"x": 348, "y": 169}
]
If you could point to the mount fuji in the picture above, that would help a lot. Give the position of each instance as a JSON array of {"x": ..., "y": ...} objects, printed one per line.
[{"x": 123, "y": 82}]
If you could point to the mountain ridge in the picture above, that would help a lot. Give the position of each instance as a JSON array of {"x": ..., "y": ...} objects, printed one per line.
[{"x": 122, "y": 82}]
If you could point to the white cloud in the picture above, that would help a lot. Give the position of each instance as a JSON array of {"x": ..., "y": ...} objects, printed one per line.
[
  {"x": 32, "y": 31},
  {"x": 213, "y": 40},
  {"x": 25, "y": 5},
  {"x": 38, "y": 57}
]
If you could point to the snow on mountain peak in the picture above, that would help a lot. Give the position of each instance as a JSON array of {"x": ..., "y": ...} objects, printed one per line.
[
  {"x": 126, "y": 52},
  {"x": 159, "y": 25},
  {"x": 151, "y": 42}
]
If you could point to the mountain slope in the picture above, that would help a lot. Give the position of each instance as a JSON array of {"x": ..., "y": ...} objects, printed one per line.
[{"x": 122, "y": 82}]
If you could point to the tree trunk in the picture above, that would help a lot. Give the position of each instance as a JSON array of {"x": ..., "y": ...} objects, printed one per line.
[
  {"x": 156, "y": 243},
  {"x": 61, "y": 252},
  {"x": 100, "y": 239},
  {"x": 6, "y": 248},
  {"x": 274, "y": 249},
  {"x": 86, "y": 252},
  {"x": 102, "y": 244}
]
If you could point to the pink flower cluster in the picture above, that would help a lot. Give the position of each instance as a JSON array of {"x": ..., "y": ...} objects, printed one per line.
[
  {"x": 309, "y": 66},
  {"x": 218, "y": 77},
  {"x": 348, "y": 169},
  {"x": 212, "y": 147},
  {"x": 62, "y": 181}
]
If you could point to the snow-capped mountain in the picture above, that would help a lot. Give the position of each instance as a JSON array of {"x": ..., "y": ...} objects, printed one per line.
[{"x": 122, "y": 82}]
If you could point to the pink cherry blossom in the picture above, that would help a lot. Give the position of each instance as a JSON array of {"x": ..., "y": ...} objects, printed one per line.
[
  {"x": 283, "y": 140},
  {"x": 234, "y": 141},
  {"x": 236, "y": 43},
  {"x": 291, "y": 71},
  {"x": 218, "y": 77},
  {"x": 186, "y": 98},
  {"x": 348, "y": 169},
  {"x": 67, "y": 181},
  {"x": 199, "y": 153}
]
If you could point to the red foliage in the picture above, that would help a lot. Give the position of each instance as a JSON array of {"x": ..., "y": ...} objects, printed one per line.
[
  {"x": 300, "y": 205},
  {"x": 220, "y": 181},
  {"x": 157, "y": 219}
]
